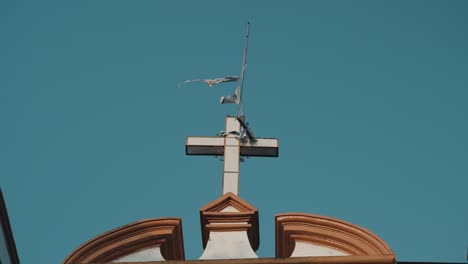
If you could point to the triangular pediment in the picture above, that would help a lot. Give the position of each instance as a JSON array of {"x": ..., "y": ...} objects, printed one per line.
[
  {"x": 230, "y": 213},
  {"x": 227, "y": 203}
]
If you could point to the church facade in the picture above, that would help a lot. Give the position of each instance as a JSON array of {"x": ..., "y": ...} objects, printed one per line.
[{"x": 229, "y": 227}]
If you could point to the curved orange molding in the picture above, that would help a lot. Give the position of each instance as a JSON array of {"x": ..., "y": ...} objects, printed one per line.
[
  {"x": 163, "y": 232},
  {"x": 328, "y": 232}
]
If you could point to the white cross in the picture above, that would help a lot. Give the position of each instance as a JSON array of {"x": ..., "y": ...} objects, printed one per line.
[{"x": 232, "y": 148}]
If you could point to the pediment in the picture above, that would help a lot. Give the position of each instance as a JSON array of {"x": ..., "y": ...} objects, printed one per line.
[
  {"x": 230, "y": 213},
  {"x": 229, "y": 200}
]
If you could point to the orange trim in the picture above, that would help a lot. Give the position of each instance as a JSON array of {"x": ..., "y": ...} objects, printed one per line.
[
  {"x": 229, "y": 199},
  {"x": 212, "y": 219},
  {"x": 382, "y": 259},
  {"x": 325, "y": 231},
  {"x": 163, "y": 232},
  {"x": 228, "y": 227}
]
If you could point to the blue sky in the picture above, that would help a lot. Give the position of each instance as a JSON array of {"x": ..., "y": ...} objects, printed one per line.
[{"x": 368, "y": 99}]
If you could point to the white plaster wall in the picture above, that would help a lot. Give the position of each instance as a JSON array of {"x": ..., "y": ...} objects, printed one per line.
[
  {"x": 303, "y": 249},
  {"x": 228, "y": 245},
  {"x": 150, "y": 254},
  {"x": 230, "y": 209}
]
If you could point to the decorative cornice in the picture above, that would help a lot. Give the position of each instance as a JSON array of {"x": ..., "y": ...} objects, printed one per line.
[
  {"x": 213, "y": 219},
  {"x": 325, "y": 231},
  {"x": 229, "y": 199},
  {"x": 163, "y": 232}
]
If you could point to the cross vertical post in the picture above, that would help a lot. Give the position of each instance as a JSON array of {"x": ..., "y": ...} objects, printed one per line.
[{"x": 231, "y": 166}]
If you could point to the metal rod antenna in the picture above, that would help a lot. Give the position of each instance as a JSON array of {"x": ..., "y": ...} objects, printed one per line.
[{"x": 244, "y": 66}]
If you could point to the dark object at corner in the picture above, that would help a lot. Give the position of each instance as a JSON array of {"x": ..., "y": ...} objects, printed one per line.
[{"x": 8, "y": 234}]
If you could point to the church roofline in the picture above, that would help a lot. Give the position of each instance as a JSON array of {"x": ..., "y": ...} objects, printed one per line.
[{"x": 381, "y": 259}]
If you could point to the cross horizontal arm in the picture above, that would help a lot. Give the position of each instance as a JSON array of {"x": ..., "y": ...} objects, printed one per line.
[
  {"x": 214, "y": 146},
  {"x": 261, "y": 147}
]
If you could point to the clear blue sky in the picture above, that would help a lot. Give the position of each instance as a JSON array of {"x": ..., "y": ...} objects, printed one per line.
[{"x": 368, "y": 99}]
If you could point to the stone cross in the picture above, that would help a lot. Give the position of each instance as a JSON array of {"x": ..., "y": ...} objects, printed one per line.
[{"x": 232, "y": 148}]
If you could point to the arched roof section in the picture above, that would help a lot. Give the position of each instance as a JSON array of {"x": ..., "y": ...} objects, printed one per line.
[
  {"x": 326, "y": 232},
  {"x": 165, "y": 233}
]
